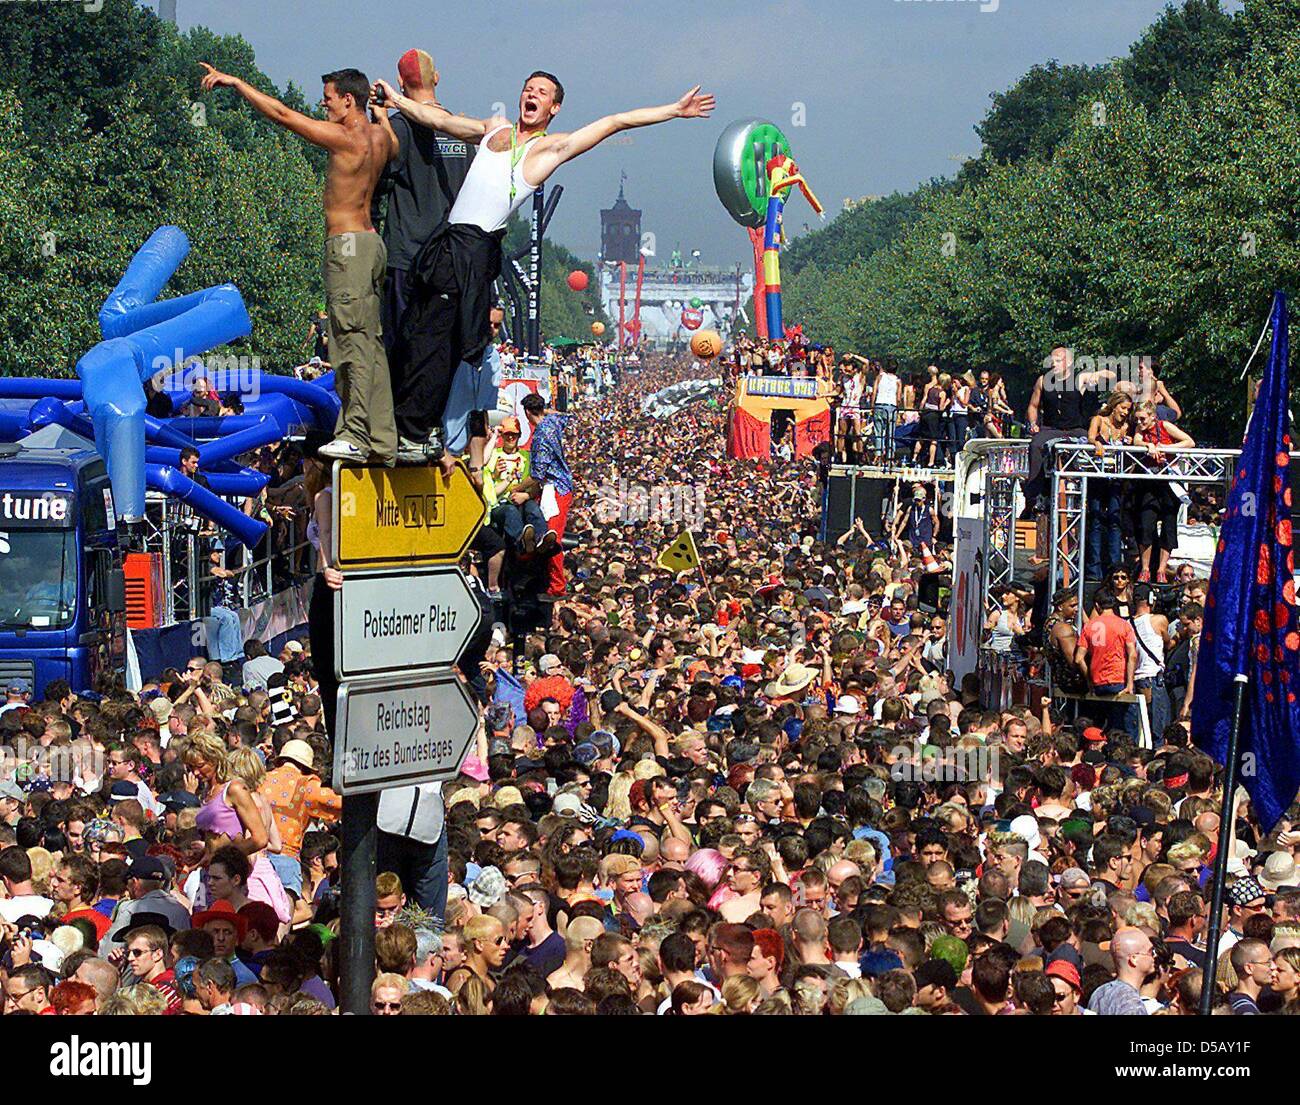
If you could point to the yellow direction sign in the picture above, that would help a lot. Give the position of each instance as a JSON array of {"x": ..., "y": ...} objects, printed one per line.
[{"x": 403, "y": 517}]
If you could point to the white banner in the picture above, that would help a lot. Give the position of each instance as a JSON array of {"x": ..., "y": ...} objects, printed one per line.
[{"x": 966, "y": 610}]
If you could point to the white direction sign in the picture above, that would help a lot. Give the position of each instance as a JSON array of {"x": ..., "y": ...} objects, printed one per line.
[
  {"x": 402, "y": 621},
  {"x": 401, "y": 732}
]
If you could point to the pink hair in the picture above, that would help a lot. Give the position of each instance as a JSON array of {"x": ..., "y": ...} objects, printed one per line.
[{"x": 710, "y": 865}]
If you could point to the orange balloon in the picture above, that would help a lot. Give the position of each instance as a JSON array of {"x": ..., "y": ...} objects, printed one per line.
[
  {"x": 706, "y": 344},
  {"x": 597, "y": 328}
]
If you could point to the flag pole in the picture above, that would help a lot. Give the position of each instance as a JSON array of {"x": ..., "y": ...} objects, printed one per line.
[{"x": 1227, "y": 817}]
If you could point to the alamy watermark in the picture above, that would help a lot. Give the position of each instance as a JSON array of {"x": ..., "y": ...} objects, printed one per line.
[
  {"x": 987, "y": 6},
  {"x": 224, "y": 374},
  {"x": 1103, "y": 373},
  {"x": 922, "y": 763},
  {"x": 91, "y": 7},
  {"x": 630, "y": 502}
]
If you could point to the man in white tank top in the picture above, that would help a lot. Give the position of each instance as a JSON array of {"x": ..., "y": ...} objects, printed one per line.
[{"x": 448, "y": 317}]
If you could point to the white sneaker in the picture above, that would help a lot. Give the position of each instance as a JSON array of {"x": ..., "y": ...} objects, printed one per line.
[{"x": 341, "y": 449}]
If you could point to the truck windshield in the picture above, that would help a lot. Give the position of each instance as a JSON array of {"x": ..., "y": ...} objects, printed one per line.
[{"x": 38, "y": 578}]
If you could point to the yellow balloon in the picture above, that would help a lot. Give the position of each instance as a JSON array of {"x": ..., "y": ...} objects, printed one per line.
[{"x": 597, "y": 328}]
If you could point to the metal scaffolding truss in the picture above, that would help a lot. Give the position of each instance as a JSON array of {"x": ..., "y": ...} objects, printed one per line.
[
  {"x": 1074, "y": 464},
  {"x": 1006, "y": 466}
]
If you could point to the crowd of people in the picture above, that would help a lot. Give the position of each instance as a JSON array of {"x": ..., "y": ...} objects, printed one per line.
[{"x": 746, "y": 788}]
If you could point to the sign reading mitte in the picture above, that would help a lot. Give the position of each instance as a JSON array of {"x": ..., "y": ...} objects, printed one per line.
[{"x": 403, "y": 517}]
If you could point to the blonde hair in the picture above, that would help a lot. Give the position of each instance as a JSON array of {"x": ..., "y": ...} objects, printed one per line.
[
  {"x": 848, "y": 990},
  {"x": 211, "y": 749},
  {"x": 481, "y": 927},
  {"x": 647, "y": 769},
  {"x": 472, "y": 997},
  {"x": 581, "y": 930},
  {"x": 739, "y": 995},
  {"x": 619, "y": 803},
  {"x": 42, "y": 863},
  {"x": 389, "y": 981},
  {"x": 140, "y": 1000},
  {"x": 246, "y": 765},
  {"x": 1023, "y": 910}
]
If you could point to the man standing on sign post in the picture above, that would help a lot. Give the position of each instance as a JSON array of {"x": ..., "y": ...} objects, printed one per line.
[
  {"x": 354, "y": 254},
  {"x": 448, "y": 320},
  {"x": 422, "y": 182}
]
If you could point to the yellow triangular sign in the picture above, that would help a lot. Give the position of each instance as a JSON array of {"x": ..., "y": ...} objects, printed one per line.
[{"x": 680, "y": 556}]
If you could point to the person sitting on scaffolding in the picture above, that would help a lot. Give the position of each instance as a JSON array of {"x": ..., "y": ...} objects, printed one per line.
[{"x": 1157, "y": 500}]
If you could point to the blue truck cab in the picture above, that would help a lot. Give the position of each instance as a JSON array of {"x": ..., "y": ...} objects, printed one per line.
[{"x": 61, "y": 608}]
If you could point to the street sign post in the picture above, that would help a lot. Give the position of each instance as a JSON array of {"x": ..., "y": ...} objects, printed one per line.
[
  {"x": 405, "y": 517},
  {"x": 403, "y": 621},
  {"x": 397, "y": 732},
  {"x": 396, "y": 725}
]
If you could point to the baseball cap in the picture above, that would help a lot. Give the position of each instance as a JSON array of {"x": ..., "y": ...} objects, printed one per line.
[
  {"x": 1244, "y": 891},
  {"x": 176, "y": 800},
  {"x": 1094, "y": 735},
  {"x": 19, "y": 686},
  {"x": 586, "y": 753},
  {"x": 161, "y": 708},
  {"x": 11, "y": 790},
  {"x": 1026, "y": 827},
  {"x": 509, "y": 425},
  {"x": 507, "y": 796},
  {"x": 1066, "y": 971},
  {"x": 123, "y": 790},
  {"x": 146, "y": 867},
  {"x": 1074, "y": 877},
  {"x": 567, "y": 805},
  {"x": 293, "y": 646}
]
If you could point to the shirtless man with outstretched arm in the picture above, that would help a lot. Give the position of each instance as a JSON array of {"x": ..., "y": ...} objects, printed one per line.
[{"x": 354, "y": 253}]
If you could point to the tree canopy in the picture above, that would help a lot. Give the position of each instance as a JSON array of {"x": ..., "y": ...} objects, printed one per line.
[
  {"x": 108, "y": 137},
  {"x": 1156, "y": 222}
]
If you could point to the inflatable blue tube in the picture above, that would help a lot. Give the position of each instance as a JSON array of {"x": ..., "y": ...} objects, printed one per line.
[
  {"x": 246, "y": 482},
  {"x": 288, "y": 415},
  {"x": 13, "y": 426},
  {"x": 325, "y": 403},
  {"x": 161, "y": 454},
  {"x": 113, "y": 372},
  {"x": 144, "y": 279},
  {"x": 163, "y": 478},
  {"x": 230, "y": 446},
  {"x": 29, "y": 387}
]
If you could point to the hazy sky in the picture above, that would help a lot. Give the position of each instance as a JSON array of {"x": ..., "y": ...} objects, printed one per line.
[{"x": 890, "y": 88}]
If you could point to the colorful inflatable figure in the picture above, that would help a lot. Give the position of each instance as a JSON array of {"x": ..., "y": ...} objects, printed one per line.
[
  {"x": 782, "y": 174},
  {"x": 752, "y": 175}
]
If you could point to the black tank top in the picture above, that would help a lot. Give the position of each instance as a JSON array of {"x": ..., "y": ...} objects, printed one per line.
[{"x": 1061, "y": 405}]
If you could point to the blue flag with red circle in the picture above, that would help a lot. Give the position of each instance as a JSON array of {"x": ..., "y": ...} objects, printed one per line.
[{"x": 1252, "y": 626}]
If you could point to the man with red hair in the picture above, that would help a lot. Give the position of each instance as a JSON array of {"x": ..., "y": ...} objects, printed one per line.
[{"x": 767, "y": 960}]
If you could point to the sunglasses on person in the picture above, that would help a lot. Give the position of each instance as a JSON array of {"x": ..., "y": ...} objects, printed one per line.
[{"x": 388, "y": 1005}]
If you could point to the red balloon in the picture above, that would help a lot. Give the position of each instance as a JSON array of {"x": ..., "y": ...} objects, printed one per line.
[{"x": 578, "y": 280}]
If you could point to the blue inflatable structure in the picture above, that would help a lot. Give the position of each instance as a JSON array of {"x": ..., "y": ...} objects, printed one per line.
[{"x": 147, "y": 339}]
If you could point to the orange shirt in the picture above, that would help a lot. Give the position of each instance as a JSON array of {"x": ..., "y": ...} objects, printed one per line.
[{"x": 296, "y": 801}]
